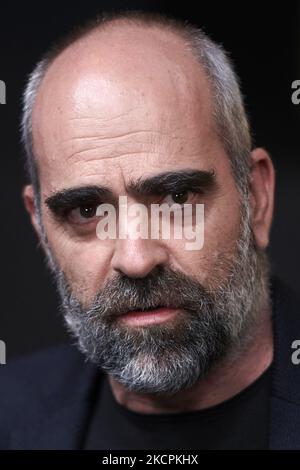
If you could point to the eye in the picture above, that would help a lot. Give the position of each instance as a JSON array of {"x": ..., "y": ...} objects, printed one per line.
[
  {"x": 177, "y": 197},
  {"x": 83, "y": 214}
]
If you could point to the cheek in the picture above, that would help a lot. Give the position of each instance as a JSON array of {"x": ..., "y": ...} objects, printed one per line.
[
  {"x": 84, "y": 262},
  {"x": 221, "y": 231},
  {"x": 87, "y": 268}
]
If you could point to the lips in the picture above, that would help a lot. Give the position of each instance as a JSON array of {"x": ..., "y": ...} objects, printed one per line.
[{"x": 140, "y": 317}]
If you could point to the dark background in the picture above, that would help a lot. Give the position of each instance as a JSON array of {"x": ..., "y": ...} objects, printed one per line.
[{"x": 264, "y": 42}]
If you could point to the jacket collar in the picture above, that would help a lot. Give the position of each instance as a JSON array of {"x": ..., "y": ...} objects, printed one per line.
[{"x": 285, "y": 395}]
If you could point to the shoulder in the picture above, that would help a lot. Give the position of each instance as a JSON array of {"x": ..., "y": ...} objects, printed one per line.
[
  {"x": 25, "y": 381},
  {"x": 286, "y": 330},
  {"x": 286, "y": 306}
]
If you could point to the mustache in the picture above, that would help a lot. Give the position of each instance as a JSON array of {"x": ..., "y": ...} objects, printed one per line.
[{"x": 163, "y": 287}]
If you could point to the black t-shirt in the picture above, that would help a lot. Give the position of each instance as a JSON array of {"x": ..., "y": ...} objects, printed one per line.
[{"x": 238, "y": 423}]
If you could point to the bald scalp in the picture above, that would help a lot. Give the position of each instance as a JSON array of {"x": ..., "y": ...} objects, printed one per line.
[
  {"x": 125, "y": 32},
  {"x": 124, "y": 53}
]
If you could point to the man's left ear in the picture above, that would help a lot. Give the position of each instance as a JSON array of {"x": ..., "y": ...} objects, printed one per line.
[{"x": 262, "y": 187}]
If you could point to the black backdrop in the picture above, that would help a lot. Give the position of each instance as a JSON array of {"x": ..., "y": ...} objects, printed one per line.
[{"x": 264, "y": 41}]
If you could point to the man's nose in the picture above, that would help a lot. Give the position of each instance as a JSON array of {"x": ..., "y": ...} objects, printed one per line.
[{"x": 137, "y": 258}]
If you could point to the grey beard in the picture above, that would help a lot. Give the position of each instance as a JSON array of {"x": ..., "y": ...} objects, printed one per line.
[{"x": 165, "y": 358}]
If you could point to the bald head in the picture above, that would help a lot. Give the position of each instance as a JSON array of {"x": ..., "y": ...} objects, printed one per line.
[
  {"x": 142, "y": 66},
  {"x": 116, "y": 91}
]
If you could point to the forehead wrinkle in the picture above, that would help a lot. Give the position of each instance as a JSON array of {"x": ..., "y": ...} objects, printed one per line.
[
  {"x": 107, "y": 157},
  {"x": 99, "y": 118},
  {"x": 116, "y": 136},
  {"x": 132, "y": 142}
]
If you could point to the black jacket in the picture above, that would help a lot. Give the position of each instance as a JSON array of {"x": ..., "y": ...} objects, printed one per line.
[{"x": 46, "y": 398}]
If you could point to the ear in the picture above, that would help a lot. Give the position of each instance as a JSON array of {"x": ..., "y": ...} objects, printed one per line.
[
  {"x": 262, "y": 187},
  {"x": 29, "y": 201}
]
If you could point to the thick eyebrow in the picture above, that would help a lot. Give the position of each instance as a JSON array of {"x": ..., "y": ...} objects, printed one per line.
[
  {"x": 164, "y": 183},
  {"x": 68, "y": 199},
  {"x": 172, "y": 181}
]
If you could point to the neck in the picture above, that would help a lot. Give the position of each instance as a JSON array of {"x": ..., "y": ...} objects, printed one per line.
[{"x": 228, "y": 378}]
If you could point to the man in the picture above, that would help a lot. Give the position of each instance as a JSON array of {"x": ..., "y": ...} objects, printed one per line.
[{"x": 186, "y": 349}]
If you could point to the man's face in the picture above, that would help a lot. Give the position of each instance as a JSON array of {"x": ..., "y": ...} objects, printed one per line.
[
  {"x": 109, "y": 118},
  {"x": 114, "y": 109}
]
